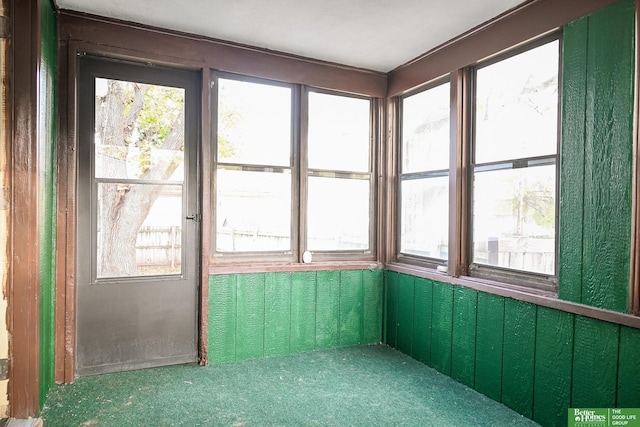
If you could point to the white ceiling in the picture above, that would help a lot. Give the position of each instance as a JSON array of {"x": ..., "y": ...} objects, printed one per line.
[{"x": 378, "y": 35}]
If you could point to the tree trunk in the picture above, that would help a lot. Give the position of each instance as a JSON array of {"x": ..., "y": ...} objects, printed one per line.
[{"x": 123, "y": 207}]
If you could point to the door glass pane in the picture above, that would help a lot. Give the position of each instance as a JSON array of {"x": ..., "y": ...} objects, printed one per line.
[
  {"x": 425, "y": 130},
  {"x": 139, "y": 131},
  {"x": 338, "y": 136},
  {"x": 338, "y": 217},
  {"x": 139, "y": 229},
  {"x": 253, "y": 211},
  {"x": 516, "y": 111},
  {"x": 424, "y": 207},
  {"x": 254, "y": 123},
  {"x": 138, "y": 137},
  {"x": 514, "y": 218}
]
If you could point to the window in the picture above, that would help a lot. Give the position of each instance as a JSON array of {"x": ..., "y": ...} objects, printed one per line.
[
  {"x": 424, "y": 174},
  {"x": 253, "y": 168},
  {"x": 281, "y": 174},
  {"x": 339, "y": 173},
  {"x": 514, "y": 157},
  {"x": 506, "y": 173}
]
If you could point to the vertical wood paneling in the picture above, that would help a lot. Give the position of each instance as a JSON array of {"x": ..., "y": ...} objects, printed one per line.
[
  {"x": 405, "y": 313},
  {"x": 351, "y": 315},
  {"x": 222, "y": 318},
  {"x": 629, "y": 368},
  {"x": 277, "y": 315},
  {"x": 489, "y": 342},
  {"x": 303, "y": 312},
  {"x": 441, "y": 327},
  {"x": 265, "y": 314},
  {"x": 596, "y": 168},
  {"x": 608, "y": 155},
  {"x": 423, "y": 308},
  {"x": 392, "y": 309},
  {"x": 328, "y": 310},
  {"x": 463, "y": 361},
  {"x": 48, "y": 115},
  {"x": 595, "y": 364},
  {"x": 372, "y": 306},
  {"x": 553, "y": 366},
  {"x": 251, "y": 320},
  {"x": 22, "y": 206},
  {"x": 523, "y": 354},
  {"x": 518, "y": 356},
  {"x": 574, "y": 81}
]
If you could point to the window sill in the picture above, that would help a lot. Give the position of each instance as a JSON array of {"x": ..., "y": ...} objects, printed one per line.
[
  {"x": 274, "y": 267},
  {"x": 531, "y": 295}
]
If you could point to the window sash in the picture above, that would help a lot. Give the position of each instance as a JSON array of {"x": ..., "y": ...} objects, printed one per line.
[
  {"x": 506, "y": 161},
  {"x": 359, "y": 173},
  {"x": 519, "y": 219},
  {"x": 462, "y": 168},
  {"x": 300, "y": 176},
  {"x": 424, "y": 229},
  {"x": 239, "y": 231},
  {"x": 422, "y": 116}
]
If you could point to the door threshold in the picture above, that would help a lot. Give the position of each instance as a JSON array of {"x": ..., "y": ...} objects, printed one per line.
[{"x": 132, "y": 366}]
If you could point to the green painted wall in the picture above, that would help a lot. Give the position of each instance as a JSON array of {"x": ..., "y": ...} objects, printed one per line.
[
  {"x": 267, "y": 314},
  {"x": 535, "y": 360},
  {"x": 539, "y": 361},
  {"x": 47, "y": 148},
  {"x": 596, "y": 158}
]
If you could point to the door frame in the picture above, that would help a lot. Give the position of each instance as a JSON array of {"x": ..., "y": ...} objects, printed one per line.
[{"x": 66, "y": 221}]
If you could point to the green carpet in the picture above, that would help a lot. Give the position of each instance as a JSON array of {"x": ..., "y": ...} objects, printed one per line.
[{"x": 352, "y": 386}]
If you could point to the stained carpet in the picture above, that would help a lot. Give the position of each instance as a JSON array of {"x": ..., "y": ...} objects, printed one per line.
[{"x": 352, "y": 386}]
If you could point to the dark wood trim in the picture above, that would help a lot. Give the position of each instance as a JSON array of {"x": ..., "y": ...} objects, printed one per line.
[
  {"x": 465, "y": 176},
  {"x": 390, "y": 178},
  {"x": 519, "y": 25},
  {"x": 300, "y": 155},
  {"x": 212, "y": 160},
  {"x": 541, "y": 298},
  {"x": 6, "y": 138},
  {"x": 69, "y": 143},
  {"x": 456, "y": 126},
  {"x": 6, "y": 173},
  {"x": 204, "y": 172},
  {"x": 274, "y": 267},
  {"x": 24, "y": 283},
  {"x": 380, "y": 183},
  {"x": 179, "y": 49},
  {"x": 62, "y": 184},
  {"x": 376, "y": 135},
  {"x": 634, "y": 289}
]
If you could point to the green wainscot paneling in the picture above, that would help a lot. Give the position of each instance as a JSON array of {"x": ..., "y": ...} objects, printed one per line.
[
  {"x": 536, "y": 360},
  {"x": 553, "y": 366},
  {"x": 489, "y": 344},
  {"x": 265, "y": 314},
  {"x": 518, "y": 356},
  {"x": 465, "y": 315},
  {"x": 596, "y": 158}
]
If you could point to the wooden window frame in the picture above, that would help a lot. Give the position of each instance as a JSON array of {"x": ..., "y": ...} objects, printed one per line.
[
  {"x": 288, "y": 256},
  {"x": 224, "y": 262},
  {"x": 429, "y": 262},
  {"x": 369, "y": 254},
  {"x": 460, "y": 263},
  {"x": 525, "y": 278}
]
